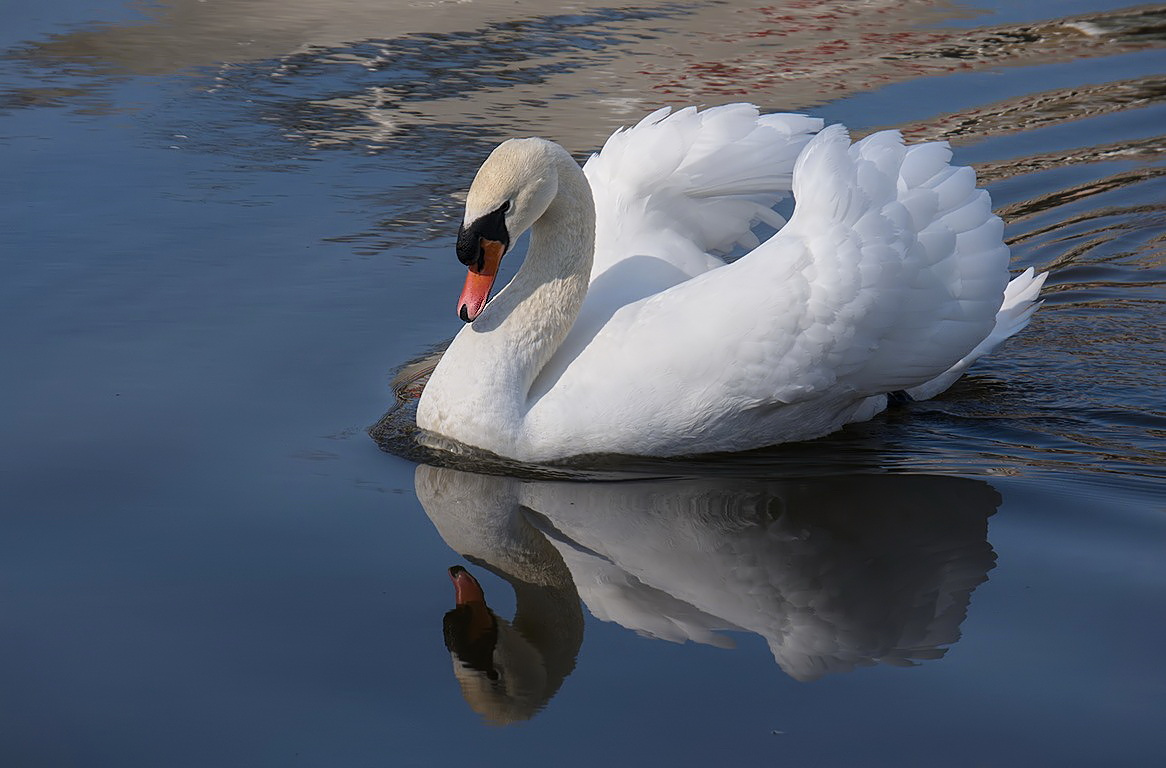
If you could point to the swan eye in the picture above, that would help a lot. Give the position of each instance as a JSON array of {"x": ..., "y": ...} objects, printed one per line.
[{"x": 505, "y": 207}]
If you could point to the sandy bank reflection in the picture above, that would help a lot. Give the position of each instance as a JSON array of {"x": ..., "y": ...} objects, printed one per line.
[
  {"x": 358, "y": 72},
  {"x": 834, "y": 572}
]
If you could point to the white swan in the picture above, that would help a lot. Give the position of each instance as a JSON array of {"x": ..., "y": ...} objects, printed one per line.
[{"x": 622, "y": 333}]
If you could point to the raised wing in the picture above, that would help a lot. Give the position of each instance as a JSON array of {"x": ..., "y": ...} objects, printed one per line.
[
  {"x": 675, "y": 190},
  {"x": 681, "y": 186}
]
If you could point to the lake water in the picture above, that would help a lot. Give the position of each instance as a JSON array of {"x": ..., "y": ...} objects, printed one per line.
[{"x": 225, "y": 225}]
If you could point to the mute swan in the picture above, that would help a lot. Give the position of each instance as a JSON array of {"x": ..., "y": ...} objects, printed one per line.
[{"x": 623, "y": 333}]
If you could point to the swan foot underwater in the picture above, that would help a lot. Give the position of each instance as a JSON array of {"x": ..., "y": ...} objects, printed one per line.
[{"x": 625, "y": 332}]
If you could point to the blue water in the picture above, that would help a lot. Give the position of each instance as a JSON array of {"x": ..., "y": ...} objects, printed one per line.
[{"x": 223, "y": 229}]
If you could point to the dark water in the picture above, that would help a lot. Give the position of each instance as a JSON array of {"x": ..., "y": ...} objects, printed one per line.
[{"x": 224, "y": 226}]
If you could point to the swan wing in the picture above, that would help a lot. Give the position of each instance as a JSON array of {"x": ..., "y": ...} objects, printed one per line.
[
  {"x": 890, "y": 271},
  {"x": 674, "y": 190},
  {"x": 680, "y": 186}
]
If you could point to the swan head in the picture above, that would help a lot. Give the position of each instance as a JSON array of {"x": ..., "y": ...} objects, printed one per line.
[{"x": 513, "y": 188}]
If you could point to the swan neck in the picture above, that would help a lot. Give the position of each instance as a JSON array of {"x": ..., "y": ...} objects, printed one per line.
[
  {"x": 557, "y": 267},
  {"x": 480, "y": 392},
  {"x": 537, "y": 309}
]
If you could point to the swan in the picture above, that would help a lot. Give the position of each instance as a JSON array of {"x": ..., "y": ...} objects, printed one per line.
[{"x": 625, "y": 332}]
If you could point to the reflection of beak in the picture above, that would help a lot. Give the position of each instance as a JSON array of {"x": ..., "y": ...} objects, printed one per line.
[
  {"x": 479, "y": 281},
  {"x": 470, "y": 629},
  {"x": 477, "y": 621},
  {"x": 465, "y": 587}
]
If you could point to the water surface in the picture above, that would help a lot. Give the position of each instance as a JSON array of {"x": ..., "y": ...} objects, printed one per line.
[{"x": 224, "y": 227}]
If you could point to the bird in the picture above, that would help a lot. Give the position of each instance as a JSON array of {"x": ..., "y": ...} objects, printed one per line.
[{"x": 665, "y": 307}]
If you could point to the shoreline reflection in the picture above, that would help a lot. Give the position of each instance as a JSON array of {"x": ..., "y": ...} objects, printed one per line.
[{"x": 833, "y": 572}]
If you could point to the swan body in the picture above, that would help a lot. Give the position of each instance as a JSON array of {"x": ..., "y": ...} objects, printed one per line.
[{"x": 624, "y": 332}]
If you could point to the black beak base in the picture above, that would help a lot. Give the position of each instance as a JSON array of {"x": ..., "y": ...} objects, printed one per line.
[{"x": 492, "y": 226}]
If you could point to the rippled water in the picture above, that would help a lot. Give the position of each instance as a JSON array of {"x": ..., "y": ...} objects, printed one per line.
[{"x": 226, "y": 225}]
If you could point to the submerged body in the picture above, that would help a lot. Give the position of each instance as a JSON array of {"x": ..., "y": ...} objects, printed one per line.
[{"x": 622, "y": 332}]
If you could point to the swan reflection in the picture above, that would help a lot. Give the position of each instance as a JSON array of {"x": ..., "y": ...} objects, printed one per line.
[{"x": 834, "y": 572}]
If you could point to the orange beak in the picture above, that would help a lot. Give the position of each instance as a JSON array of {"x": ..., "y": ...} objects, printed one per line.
[{"x": 480, "y": 280}]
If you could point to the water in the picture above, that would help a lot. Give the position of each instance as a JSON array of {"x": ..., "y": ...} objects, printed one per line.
[{"x": 225, "y": 225}]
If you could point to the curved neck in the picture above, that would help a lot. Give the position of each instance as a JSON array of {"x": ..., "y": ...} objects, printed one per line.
[
  {"x": 485, "y": 377},
  {"x": 537, "y": 308},
  {"x": 547, "y": 610}
]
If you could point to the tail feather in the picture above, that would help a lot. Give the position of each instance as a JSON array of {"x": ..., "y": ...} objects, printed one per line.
[
  {"x": 1020, "y": 302},
  {"x": 908, "y": 250}
]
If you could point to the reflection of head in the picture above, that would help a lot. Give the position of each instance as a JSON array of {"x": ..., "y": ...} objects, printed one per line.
[
  {"x": 471, "y": 629},
  {"x": 512, "y": 687},
  {"x": 503, "y": 676}
]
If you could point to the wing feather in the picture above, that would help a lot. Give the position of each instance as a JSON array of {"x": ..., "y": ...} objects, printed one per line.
[
  {"x": 704, "y": 178},
  {"x": 889, "y": 274}
]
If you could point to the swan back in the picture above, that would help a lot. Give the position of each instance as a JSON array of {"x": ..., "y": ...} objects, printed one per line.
[{"x": 890, "y": 271}]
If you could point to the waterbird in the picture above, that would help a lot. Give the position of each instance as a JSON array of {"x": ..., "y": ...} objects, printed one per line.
[{"x": 628, "y": 329}]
